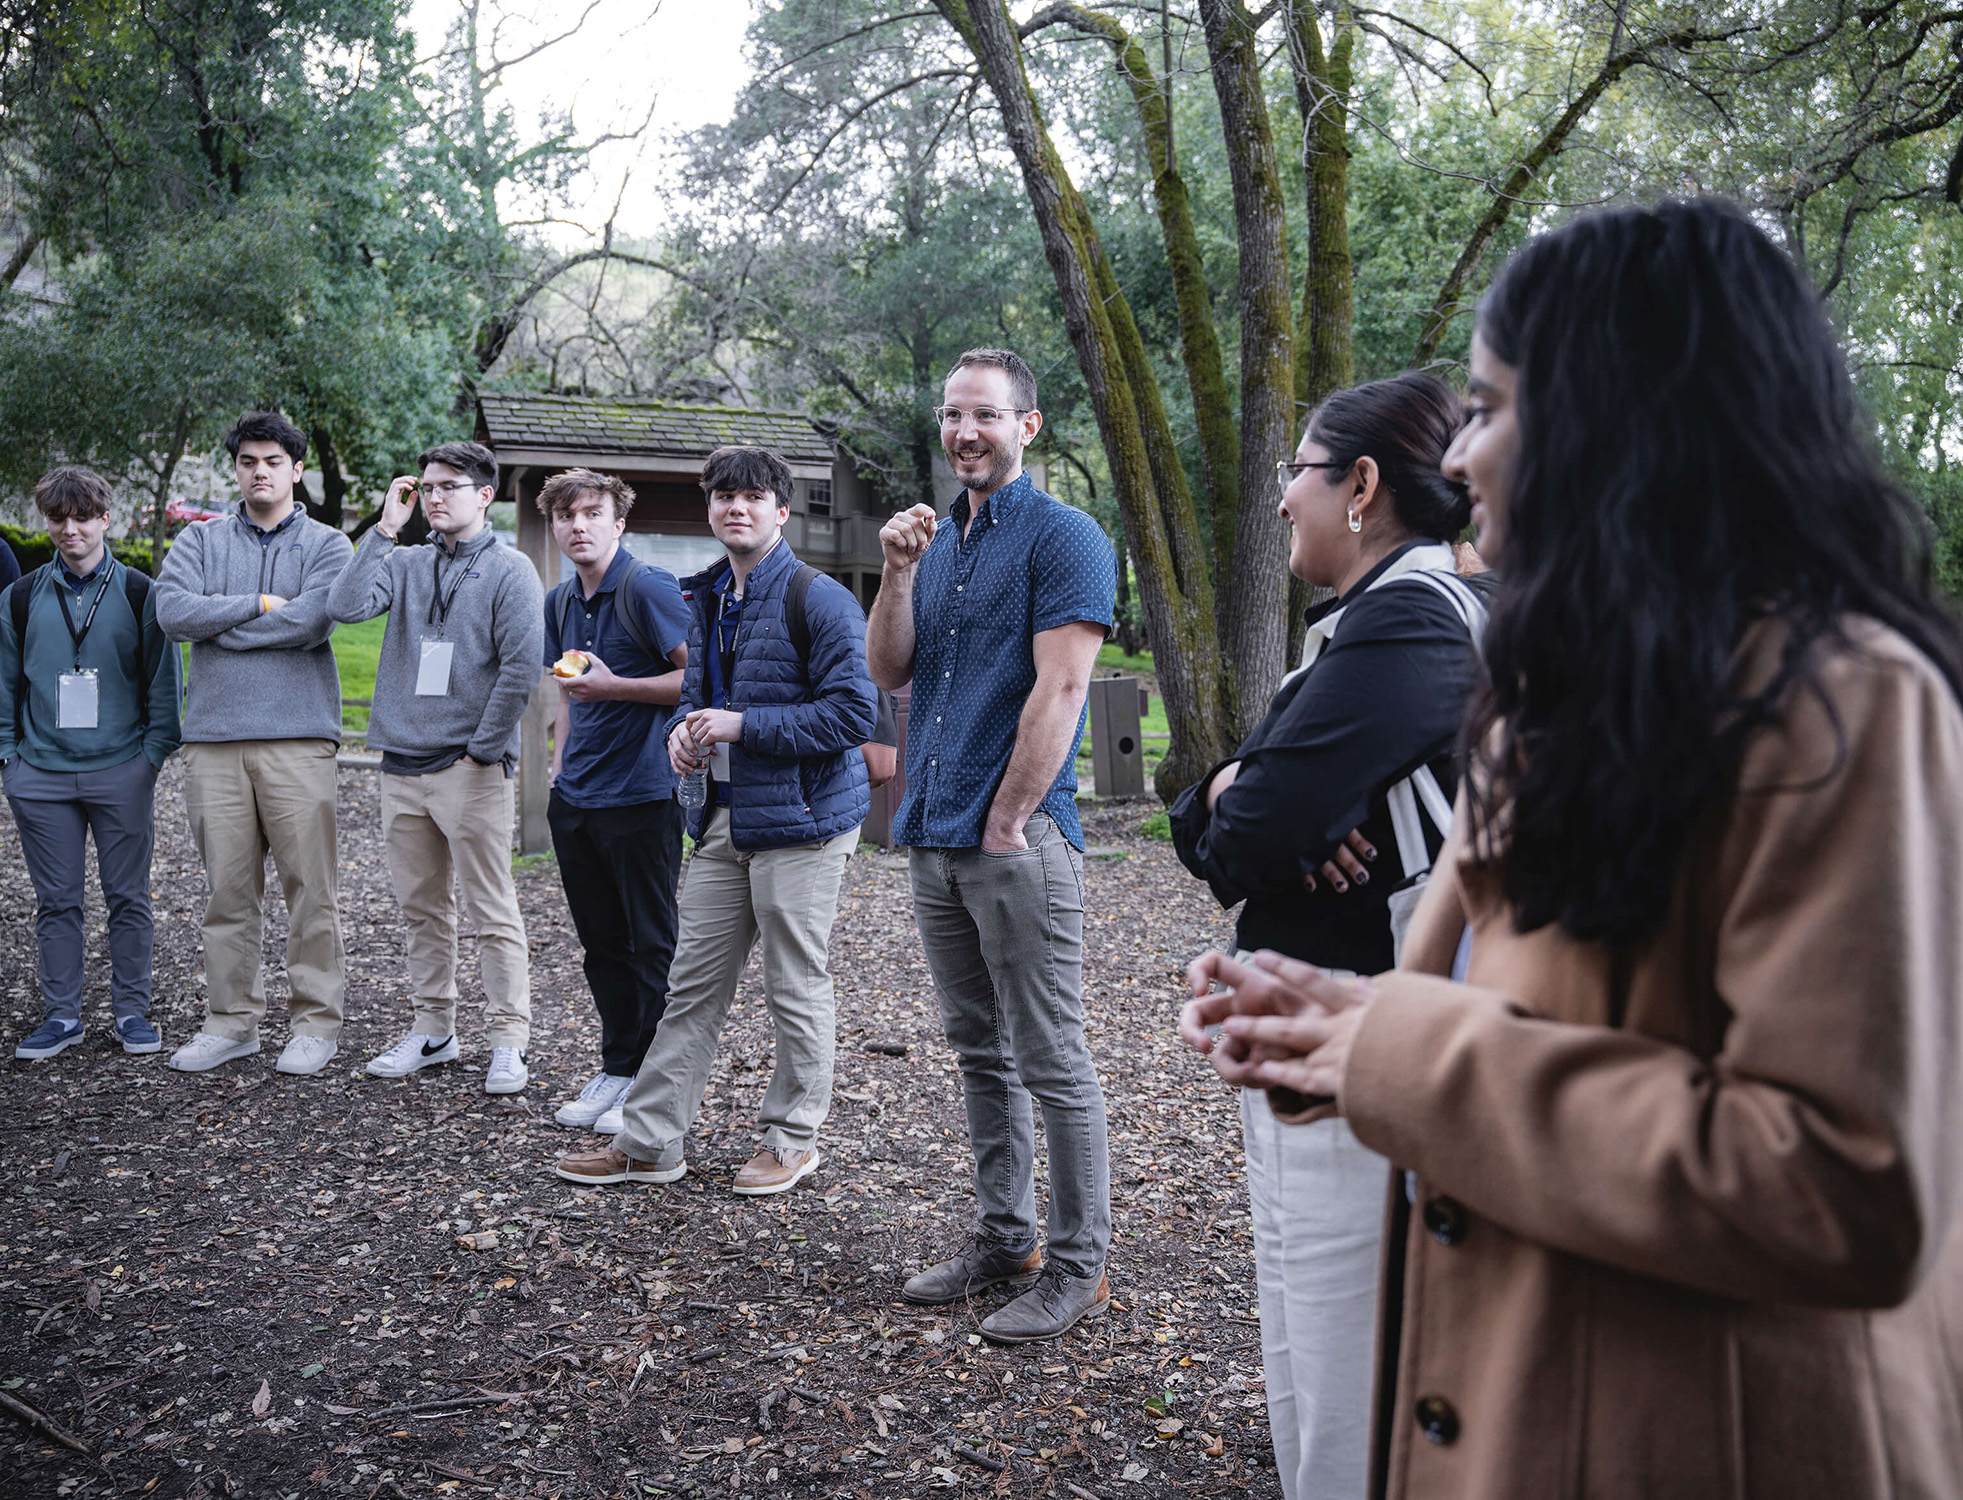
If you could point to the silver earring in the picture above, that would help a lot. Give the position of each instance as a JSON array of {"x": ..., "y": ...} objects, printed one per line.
[{"x": 1356, "y": 522}]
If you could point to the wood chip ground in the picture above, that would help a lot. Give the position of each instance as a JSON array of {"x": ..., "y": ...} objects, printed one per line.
[{"x": 237, "y": 1283}]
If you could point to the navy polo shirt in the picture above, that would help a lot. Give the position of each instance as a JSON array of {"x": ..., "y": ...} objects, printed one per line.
[
  {"x": 615, "y": 755},
  {"x": 1029, "y": 564}
]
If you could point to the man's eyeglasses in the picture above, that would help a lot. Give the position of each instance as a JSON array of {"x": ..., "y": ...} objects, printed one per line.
[
  {"x": 430, "y": 491},
  {"x": 985, "y": 416},
  {"x": 1287, "y": 469}
]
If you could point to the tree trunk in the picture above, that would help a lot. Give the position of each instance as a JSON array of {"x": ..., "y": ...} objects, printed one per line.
[
  {"x": 17, "y": 262},
  {"x": 1174, "y": 585},
  {"x": 1199, "y": 342},
  {"x": 1325, "y": 347},
  {"x": 333, "y": 483},
  {"x": 159, "y": 525},
  {"x": 1257, "y": 622}
]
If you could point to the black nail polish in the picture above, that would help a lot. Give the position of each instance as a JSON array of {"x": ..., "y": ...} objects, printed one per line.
[
  {"x": 1362, "y": 877},
  {"x": 1341, "y": 887}
]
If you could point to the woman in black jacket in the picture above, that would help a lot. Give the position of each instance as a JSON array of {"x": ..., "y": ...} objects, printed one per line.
[{"x": 1387, "y": 670}]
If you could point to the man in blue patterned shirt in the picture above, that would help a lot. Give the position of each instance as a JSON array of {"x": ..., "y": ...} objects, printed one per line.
[{"x": 996, "y": 615}]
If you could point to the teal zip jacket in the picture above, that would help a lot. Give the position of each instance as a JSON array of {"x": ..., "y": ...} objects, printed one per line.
[{"x": 136, "y": 677}]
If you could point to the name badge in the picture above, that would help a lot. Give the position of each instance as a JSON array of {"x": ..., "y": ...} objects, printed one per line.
[
  {"x": 77, "y": 700},
  {"x": 433, "y": 672},
  {"x": 719, "y": 761}
]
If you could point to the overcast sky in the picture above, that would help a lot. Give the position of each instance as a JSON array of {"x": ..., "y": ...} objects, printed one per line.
[{"x": 684, "y": 56}]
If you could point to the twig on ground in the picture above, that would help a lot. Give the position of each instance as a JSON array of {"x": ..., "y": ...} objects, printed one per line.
[{"x": 43, "y": 1425}]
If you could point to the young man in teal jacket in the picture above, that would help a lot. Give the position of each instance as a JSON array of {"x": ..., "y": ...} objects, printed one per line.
[{"x": 88, "y": 715}]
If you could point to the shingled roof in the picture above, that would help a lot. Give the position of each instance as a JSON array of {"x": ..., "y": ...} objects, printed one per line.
[{"x": 587, "y": 424}]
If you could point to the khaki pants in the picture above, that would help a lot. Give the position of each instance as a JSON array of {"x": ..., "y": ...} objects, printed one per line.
[
  {"x": 247, "y": 798},
  {"x": 454, "y": 827},
  {"x": 730, "y": 898}
]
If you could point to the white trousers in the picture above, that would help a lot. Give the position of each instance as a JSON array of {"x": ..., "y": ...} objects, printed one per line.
[{"x": 1318, "y": 1201}]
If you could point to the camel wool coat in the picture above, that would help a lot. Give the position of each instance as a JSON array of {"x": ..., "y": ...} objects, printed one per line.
[{"x": 1682, "y": 1222}]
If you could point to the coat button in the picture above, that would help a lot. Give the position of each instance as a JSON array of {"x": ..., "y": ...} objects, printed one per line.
[
  {"x": 1446, "y": 1219},
  {"x": 1436, "y": 1420}
]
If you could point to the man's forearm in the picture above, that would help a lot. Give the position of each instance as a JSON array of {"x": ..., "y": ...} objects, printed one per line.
[
  {"x": 665, "y": 689},
  {"x": 889, "y": 630},
  {"x": 1043, "y": 736}
]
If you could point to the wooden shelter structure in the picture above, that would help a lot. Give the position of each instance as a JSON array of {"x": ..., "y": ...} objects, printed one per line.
[{"x": 658, "y": 448}]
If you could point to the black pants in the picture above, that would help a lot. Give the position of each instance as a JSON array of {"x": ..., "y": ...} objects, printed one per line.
[{"x": 619, "y": 866}]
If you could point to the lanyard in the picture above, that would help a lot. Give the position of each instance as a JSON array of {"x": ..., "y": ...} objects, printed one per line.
[
  {"x": 68, "y": 618},
  {"x": 729, "y": 607},
  {"x": 439, "y": 602}
]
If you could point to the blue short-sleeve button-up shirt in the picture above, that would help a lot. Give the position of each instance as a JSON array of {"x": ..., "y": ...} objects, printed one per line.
[{"x": 1029, "y": 564}]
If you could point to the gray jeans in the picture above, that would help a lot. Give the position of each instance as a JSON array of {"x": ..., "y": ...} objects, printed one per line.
[
  {"x": 1004, "y": 935},
  {"x": 55, "y": 812},
  {"x": 731, "y": 897}
]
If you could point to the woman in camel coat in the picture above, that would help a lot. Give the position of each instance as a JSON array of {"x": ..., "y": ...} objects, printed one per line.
[{"x": 1683, "y": 1155}]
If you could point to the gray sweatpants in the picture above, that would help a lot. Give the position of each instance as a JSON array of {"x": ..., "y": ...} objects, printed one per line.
[
  {"x": 1004, "y": 937},
  {"x": 55, "y": 812}
]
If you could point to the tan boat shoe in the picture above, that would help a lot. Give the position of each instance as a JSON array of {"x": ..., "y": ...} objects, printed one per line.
[
  {"x": 596, "y": 1168},
  {"x": 768, "y": 1172}
]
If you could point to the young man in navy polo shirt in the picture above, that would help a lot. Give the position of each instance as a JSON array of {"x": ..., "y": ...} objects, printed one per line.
[
  {"x": 616, "y": 827},
  {"x": 996, "y": 616}
]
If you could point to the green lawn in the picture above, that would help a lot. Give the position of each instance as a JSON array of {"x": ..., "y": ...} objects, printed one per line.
[{"x": 357, "y": 648}]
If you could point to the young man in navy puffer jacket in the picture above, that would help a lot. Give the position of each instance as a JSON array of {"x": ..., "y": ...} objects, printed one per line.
[{"x": 779, "y": 715}]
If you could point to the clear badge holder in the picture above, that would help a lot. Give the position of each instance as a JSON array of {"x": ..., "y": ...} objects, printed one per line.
[
  {"x": 78, "y": 699},
  {"x": 433, "y": 670}
]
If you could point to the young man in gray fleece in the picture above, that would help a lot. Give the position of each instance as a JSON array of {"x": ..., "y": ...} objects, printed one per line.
[
  {"x": 261, "y": 726},
  {"x": 459, "y": 661}
]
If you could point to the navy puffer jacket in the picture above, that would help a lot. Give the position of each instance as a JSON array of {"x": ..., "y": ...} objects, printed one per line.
[{"x": 797, "y": 776}]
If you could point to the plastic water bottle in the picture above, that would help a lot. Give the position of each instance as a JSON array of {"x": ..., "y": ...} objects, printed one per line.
[{"x": 692, "y": 791}]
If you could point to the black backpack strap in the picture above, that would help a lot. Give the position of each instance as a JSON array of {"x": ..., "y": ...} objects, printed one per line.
[
  {"x": 628, "y": 613},
  {"x": 796, "y": 621},
  {"x": 136, "y": 589},
  {"x": 627, "y": 608}
]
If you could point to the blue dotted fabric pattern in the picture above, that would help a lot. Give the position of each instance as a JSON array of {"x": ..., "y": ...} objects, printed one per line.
[{"x": 1030, "y": 564}]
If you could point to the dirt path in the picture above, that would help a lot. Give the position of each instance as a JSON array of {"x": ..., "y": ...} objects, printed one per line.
[{"x": 242, "y": 1284}]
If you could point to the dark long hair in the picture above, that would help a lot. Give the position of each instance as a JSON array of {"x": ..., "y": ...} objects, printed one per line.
[
  {"x": 1692, "y": 459},
  {"x": 1405, "y": 423}
]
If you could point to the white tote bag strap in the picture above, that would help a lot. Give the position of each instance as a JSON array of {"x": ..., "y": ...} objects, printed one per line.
[
  {"x": 1471, "y": 609},
  {"x": 1411, "y": 851},
  {"x": 1418, "y": 790},
  {"x": 1433, "y": 797}
]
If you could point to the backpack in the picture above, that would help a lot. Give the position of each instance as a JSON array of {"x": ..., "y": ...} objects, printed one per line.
[
  {"x": 631, "y": 619},
  {"x": 136, "y": 589}
]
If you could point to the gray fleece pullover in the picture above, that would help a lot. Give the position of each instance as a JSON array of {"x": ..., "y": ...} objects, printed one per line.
[
  {"x": 495, "y": 622},
  {"x": 255, "y": 674}
]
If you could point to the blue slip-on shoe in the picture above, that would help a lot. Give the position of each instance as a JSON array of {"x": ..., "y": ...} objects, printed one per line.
[
  {"x": 138, "y": 1035},
  {"x": 53, "y": 1036}
]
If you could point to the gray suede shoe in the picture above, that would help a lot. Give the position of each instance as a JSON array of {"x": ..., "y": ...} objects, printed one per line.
[
  {"x": 1057, "y": 1301},
  {"x": 980, "y": 1266}
]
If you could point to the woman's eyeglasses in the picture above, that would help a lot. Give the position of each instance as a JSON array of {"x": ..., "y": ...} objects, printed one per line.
[{"x": 1287, "y": 469}]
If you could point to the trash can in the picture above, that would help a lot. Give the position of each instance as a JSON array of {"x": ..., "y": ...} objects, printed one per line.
[{"x": 1117, "y": 746}]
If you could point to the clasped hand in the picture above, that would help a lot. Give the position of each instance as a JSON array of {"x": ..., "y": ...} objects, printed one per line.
[
  {"x": 701, "y": 729},
  {"x": 1283, "y": 1023}
]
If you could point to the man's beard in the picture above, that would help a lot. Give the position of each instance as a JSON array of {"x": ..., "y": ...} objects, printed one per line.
[{"x": 1001, "y": 464}]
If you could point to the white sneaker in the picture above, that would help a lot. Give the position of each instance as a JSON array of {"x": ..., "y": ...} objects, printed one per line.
[
  {"x": 602, "y": 1092},
  {"x": 507, "y": 1074},
  {"x": 414, "y": 1051},
  {"x": 304, "y": 1056},
  {"x": 205, "y": 1051},
  {"x": 612, "y": 1122}
]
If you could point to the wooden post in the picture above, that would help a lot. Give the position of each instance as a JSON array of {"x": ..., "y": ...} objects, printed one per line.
[{"x": 534, "y": 749}]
